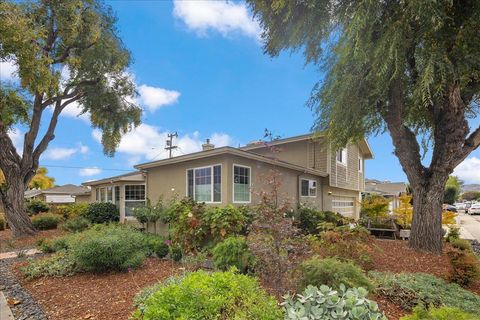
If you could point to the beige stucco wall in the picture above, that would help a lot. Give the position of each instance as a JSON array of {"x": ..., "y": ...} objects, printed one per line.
[
  {"x": 292, "y": 152},
  {"x": 83, "y": 198}
]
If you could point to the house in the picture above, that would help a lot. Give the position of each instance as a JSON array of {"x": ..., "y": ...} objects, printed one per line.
[
  {"x": 387, "y": 189},
  {"x": 65, "y": 194},
  {"x": 310, "y": 173}
]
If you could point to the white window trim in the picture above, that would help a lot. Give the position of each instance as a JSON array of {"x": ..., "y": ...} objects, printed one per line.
[
  {"x": 346, "y": 156},
  {"x": 211, "y": 185},
  {"x": 125, "y": 197},
  {"x": 360, "y": 164},
  {"x": 249, "y": 183},
  {"x": 316, "y": 187}
]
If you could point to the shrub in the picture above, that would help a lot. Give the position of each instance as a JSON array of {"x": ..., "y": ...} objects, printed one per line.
[
  {"x": 374, "y": 207},
  {"x": 461, "y": 244},
  {"x": 76, "y": 224},
  {"x": 105, "y": 248},
  {"x": 224, "y": 222},
  {"x": 332, "y": 272},
  {"x": 326, "y": 303},
  {"x": 219, "y": 295},
  {"x": 102, "y": 212},
  {"x": 411, "y": 289},
  {"x": 148, "y": 213},
  {"x": 466, "y": 266},
  {"x": 52, "y": 245},
  {"x": 156, "y": 245},
  {"x": 72, "y": 210},
  {"x": 57, "y": 265},
  {"x": 443, "y": 313},
  {"x": 453, "y": 233},
  {"x": 46, "y": 221},
  {"x": 311, "y": 220},
  {"x": 345, "y": 244},
  {"x": 37, "y": 206},
  {"x": 3, "y": 224},
  {"x": 176, "y": 253},
  {"x": 232, "y": 252}
]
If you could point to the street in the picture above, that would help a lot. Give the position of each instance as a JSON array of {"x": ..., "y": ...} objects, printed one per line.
[{"x": 469, "y": 226}]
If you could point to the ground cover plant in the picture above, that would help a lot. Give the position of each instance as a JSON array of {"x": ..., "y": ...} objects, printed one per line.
[
  {"x": 409, "y": 290},
  {"x": 442, "y": 313},
  {"x": 332, "y": 273},
  {"x": 76, "y": 224},
  {"x": 328, "y": 304},
  {"x": 58, "y": 265},
  {"x": 208, "y": 296}
]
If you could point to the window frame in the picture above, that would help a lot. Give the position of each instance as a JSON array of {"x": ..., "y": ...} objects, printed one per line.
[
  {"x": 309, "y": 180},
  {"x": 249, "y": 183},
  {"x": 344, "y": 156},
  {"x": 125, "y": 197},
  {"x": 212, "y": 182},
  {"x": 360, "y": 164}
]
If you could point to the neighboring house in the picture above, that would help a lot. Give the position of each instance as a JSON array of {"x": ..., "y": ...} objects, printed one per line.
[
  {"x": 387, "y": 189},
  {"x": 65, "y": 194},
  {"x": 310, "y": 173}
]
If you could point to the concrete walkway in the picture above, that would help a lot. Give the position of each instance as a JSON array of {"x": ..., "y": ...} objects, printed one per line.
[
  {"x": 14, "y": 254},
  {"x": 469, "y": 226},
  {"x": 5, "y": 312}
]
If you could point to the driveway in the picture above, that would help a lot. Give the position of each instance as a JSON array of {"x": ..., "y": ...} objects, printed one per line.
[{"x": 469, "y": 226}]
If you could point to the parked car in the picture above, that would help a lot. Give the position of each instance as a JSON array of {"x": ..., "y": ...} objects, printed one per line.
[
  {"x": 474, "y": 209},
  {"x": 460, "y": 206},
  {"x": 449, "y": 207}
]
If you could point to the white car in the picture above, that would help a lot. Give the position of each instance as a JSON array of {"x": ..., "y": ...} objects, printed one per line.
[
  {"x": 474, "y": 209},
  {"x": 460, "y": 206}
]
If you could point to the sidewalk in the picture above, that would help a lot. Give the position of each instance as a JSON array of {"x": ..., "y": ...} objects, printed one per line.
[
  {"x": 14, "y": 254},
  {"x": 469, "y": 227},
  {"x": 5, "y": 312}
]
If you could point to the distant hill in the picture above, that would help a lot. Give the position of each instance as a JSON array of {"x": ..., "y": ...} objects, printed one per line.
[{"x": 470, "y": 187}]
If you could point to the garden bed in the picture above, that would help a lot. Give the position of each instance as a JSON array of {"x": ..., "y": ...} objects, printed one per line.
[
  {"x": 9, "y": 243},
  {"x": 95, "y": 296}
]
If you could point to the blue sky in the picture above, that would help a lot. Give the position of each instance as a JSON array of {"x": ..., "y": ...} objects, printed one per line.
[{"x": 201, "y": 71}]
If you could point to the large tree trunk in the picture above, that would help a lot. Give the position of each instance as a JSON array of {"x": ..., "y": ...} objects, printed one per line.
[
  {"x": 14, "y": 205},
  {"x": 427, "y": 232}
]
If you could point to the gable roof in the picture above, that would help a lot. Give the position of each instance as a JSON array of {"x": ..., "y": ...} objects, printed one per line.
[
  {"x": 385, "y": 187},
  {"x": 70, "y": 189},
  {"x": 133, "y": 176},
  {"x": 230, "y": 151},
  {"x": 362, "y": 144}
]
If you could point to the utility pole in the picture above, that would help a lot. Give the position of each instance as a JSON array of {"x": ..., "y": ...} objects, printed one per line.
[{"x": 170, "y": 145}]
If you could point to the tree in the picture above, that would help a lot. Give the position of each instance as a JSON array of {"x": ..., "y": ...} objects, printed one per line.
[
  {"x": 39, "y": 181},
  {"x": 66, "y": 52},
  {"x": 471, "y": 195},
  {"x": 409, "y": 67},
  {"x": 453, "y": 187},
  {"x": 375, "y": 206}
]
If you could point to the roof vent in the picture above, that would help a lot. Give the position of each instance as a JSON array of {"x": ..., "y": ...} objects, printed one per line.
[{"x": 207, "y": 145}]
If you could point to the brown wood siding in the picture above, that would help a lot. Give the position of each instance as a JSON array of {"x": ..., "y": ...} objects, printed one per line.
[
  {"x": 318, "y": 155},
  {"x": 346, "y": 176}
]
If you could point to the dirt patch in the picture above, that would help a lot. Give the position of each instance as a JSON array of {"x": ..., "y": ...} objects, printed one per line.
[
  {"x": 395, "y": 256},
  {"x": 9, "y": 243},
  {"x": 92, "y": 296}
]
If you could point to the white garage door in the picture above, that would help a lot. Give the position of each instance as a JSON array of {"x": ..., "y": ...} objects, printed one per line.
[
  {"x": 60, "y": 199},
  {"x": 344, "y": 205}
]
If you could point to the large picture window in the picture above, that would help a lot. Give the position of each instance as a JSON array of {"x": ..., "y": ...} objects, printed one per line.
[
  {"x": 134, "y": 197},
  {"x": 241, "y": 184},
  {"x": 205, "y": 184},
  {"x": 308, "y": 188}
]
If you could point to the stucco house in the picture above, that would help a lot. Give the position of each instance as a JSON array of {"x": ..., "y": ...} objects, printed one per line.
[
  {"x": 310, "y": 173},
  {"x": 65, "y": 194}
]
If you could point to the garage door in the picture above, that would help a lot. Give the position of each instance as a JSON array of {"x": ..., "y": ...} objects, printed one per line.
[{"x": 344, "y": 205}]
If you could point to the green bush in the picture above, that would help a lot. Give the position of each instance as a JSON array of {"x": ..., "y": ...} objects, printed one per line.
[
  {"x": 46, "y": 221},
  {"x": 156, "y": 245},
  {"x": 328, "y": 304},
  {"x": 232, "y": 252},
  {"x": 105, "y": 248},
  {"x": 466, "y": 265},
  {"x": 3, "y": 224},
  {"x": 443, "y": 313},
  {"x": 72, "y": 210},
  {"x": 37, "y": 206},
  {"x": 176, "y": 253},
  {"x": 411, "y": 289},
  {"x": 224, "y": 222},
  {"x": 461, "y": 244},
  {"x": 453, "y": 233},
  {"x": 52, "y": 245},
  {"x": 76, "y": 224},
  {"x": 332, "y": 272},
  {"x": 149, "y": 213},
  {"x": 58, "y": 265},
  {"x": 312, "y": 221},
  {"x": 218, "y": 295},
  {"x": 102, "y": 212}
]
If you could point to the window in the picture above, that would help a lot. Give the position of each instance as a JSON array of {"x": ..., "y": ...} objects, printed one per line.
[
  {"x": 117, "y": 196},
  {"x": 102, "y": 195},
  {"x": 97, "y": 194},
  {"x": 241, "y": 184},
  {"x": 342, "y": 156},
  {"x": 110, "y": 194},
  {"x": 134, "y": 197},
  {"x": 205, "y": 184},
  {"x": 308, "y": 188},
  {"x": 360, "y": 164}
]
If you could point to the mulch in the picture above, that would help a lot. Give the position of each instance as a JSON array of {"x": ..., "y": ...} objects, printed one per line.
[
  {"x": 96, "y": 296},
  {"x": 9, "y": 243}
]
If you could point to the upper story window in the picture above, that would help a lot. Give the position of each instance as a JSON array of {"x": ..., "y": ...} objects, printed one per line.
[
  {"x": 342, "y": 156},
  {"x": 205, "y": 184},
  {"x": 360, "y": 164},
  {"x": 308, "y": 188},
  {"x": 241, "y": 184}
]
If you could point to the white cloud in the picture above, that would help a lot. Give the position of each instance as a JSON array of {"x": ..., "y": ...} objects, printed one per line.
[
  {"x": 469, "y": 170},
  {"x": 8, "y": 71},
  {"x": 58, "y": 153},
  {"x": 74, "y": 110},
  {"x": 153, "y": 98},
  {"x": 147, "y": 142},
  {"x": 16, "y": 136},
  {"x": 222, "y": 16},
  {"x": 87, "y": 172}
]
